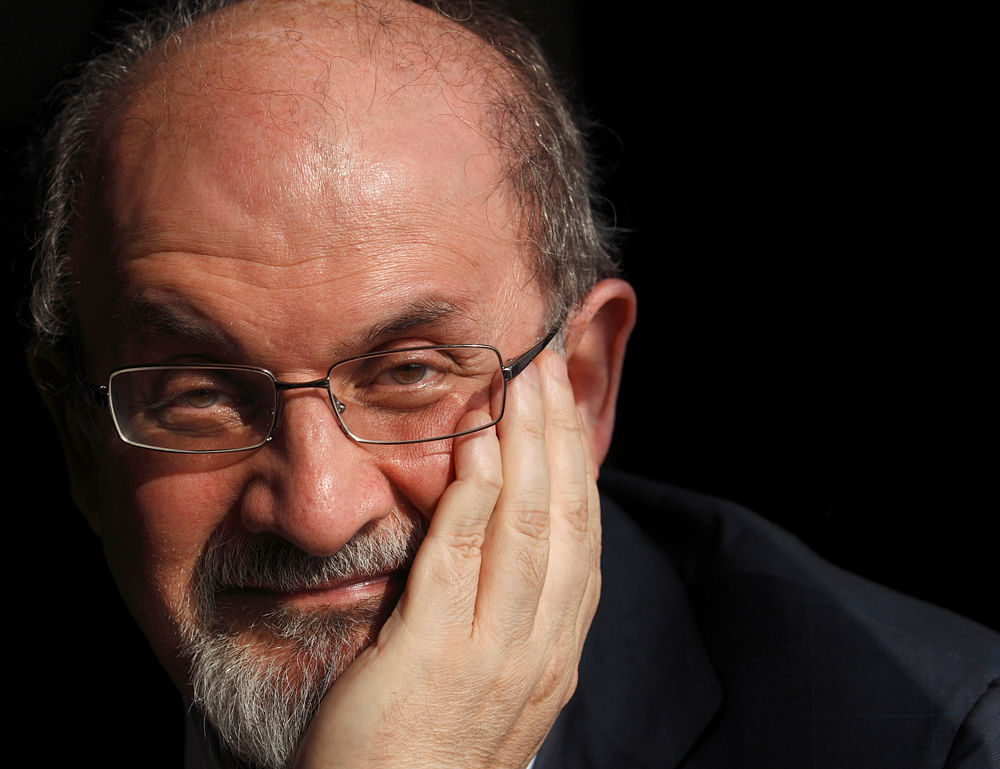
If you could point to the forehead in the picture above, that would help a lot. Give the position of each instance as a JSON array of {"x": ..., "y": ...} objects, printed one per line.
[
  {"x": 323, "y": 86},
  {"x": 299, "y": 153}
]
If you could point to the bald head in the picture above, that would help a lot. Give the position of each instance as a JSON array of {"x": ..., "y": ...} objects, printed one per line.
[
  {"x": 306, "y": 102},
  {"x": 286, "y": 68},
  {"x": 345, "y": 138},
  {"x": 311, "y": 73}
]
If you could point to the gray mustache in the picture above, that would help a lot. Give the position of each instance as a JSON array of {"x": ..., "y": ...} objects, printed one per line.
[{"x": 240, "y": 560}]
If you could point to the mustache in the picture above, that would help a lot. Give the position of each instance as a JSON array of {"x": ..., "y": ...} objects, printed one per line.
[{"x": 236, "y": 559}]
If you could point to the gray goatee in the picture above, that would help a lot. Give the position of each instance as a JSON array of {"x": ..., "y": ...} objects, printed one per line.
[{"x": 258, "y": 681}]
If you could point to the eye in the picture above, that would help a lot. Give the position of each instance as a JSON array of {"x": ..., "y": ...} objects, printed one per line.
[
  {"x": 194, "y": 390},
  {"x": 200, "y": 399},
  {"x": 408, "y": 373}
]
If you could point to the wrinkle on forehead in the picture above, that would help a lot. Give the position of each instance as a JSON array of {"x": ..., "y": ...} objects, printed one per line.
[
  {"x": 297, "y": 89},
  {"x": 347, "y": 150}
]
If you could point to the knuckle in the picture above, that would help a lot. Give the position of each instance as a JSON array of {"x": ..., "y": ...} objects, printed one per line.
[
  {"x": 576, "y": 511},
  {"x": 533, "y": 432},
  {"x": 556, "y": 682},
  {"x": 570, "y": 688},
  {"x": 454, "y": 572},
  {"x": 461, "y": 544},
  {"x": 563, "y": 421},
  {"x": 490, "y": 483},
  {"x": 532, "y": 522},
  {"x": 481, "y": 490},
  {"x": 487, "y": 479}
]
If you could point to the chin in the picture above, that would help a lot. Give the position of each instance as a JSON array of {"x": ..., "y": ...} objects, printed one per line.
[{"x": 259, "y": 686}]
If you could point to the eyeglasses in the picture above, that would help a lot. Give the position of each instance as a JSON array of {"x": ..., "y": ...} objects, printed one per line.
[{"x": 410, "y": 395}]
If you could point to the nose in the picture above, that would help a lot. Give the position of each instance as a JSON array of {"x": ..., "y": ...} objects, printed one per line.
[{"x": 312, "y": 485}]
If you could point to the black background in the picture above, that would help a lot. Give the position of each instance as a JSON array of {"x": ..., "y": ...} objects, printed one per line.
[{"x": 806, "y": 193}]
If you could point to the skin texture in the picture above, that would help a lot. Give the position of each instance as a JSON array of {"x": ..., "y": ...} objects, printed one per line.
[{"x": 323, "y": 203}]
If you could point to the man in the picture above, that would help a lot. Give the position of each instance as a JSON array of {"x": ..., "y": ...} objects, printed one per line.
[{"x": 314, "y": 256}]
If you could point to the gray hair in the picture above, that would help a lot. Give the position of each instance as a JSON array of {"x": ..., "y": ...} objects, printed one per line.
[{"x": 547, "y": 164}]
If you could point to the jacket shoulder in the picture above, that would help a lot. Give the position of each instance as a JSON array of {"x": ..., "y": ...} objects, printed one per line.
[{"x": 815, "y": 662}]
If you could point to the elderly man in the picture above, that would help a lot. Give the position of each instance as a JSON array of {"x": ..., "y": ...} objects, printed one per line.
[{"x": 333, "y": 344}]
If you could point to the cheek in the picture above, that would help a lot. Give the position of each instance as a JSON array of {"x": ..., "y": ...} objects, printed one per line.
[
  {"x": 418, "y": 476},
  {"x": 156, "y": 517},
  {"x": 154, "y": 527},
  {"x": 159, "y": 515}
]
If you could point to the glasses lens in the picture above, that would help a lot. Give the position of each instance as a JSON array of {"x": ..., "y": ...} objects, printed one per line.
[
  {"x": 193, "y": 408},
  {"x": 416, "y": 395}
]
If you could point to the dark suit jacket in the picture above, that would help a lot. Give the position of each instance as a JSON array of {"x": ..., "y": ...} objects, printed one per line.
[{"x": 730, "y": 645}]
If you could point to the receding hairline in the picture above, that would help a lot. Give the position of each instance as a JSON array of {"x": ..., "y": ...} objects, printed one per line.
[
  {"x": 400, "y": 38},
  {"x": 437, "y": 52}
]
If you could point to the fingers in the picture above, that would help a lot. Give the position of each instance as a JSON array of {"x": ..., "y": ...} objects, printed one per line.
[
  {"x": 515, "y": 558},
  {"x": 444, "y": 581},
  {"x": 573, "y": 578},
  {"x": 540, "y": 563},
  {"x": 514, "y": 544},
  {"x": 572, "y": 583}
]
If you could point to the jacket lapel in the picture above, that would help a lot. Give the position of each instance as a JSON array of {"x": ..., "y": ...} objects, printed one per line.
[{"x": 647, "y": 689}]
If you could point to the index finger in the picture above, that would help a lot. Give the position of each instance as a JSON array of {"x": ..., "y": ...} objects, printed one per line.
[{"x": 444, "y": 578}]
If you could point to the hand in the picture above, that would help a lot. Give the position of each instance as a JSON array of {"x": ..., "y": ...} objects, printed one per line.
[{"x": 481, "y": 653}]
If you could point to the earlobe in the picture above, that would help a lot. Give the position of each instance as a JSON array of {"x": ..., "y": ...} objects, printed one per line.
[
  {"x": 596, "y": 337},
  {"x": 52, "y": 375}
]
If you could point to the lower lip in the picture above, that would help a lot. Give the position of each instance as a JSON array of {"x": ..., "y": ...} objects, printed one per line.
[{"x": 343, "y": 595}]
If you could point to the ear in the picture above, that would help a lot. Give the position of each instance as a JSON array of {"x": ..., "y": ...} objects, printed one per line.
[
  {"x": 53, "y": 377},
  {"x": 596, "y": 336}
]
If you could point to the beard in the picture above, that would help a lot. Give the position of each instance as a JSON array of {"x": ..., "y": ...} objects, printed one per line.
[{"x": 258, "y": 680}]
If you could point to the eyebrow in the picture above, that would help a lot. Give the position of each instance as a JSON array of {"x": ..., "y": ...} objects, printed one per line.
[
  {"x": 167, "y": 315},
  {"x": 418, "y": 314}
]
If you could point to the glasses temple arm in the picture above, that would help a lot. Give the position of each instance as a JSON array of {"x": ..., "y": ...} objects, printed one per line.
[
  {"x": 515, "y": 366},
  {"x": 98, "y": 392}
]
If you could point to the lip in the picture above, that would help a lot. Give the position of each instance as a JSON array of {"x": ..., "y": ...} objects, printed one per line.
[{"x": 338, "y": 595}]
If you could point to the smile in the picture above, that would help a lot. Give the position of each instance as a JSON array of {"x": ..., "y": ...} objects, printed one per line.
[{"x": 341, "y": 594}]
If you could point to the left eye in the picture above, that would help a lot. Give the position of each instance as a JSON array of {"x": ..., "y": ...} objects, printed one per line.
[
  {"x": 201, "y": 399},
  {"x": 408, "y": 373}
]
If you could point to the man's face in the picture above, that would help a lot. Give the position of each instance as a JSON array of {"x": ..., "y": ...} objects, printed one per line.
[{"x": 285, "y": 215}]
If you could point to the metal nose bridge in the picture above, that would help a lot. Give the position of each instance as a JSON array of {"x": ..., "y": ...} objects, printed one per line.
[{"x": 323, "y": 383}]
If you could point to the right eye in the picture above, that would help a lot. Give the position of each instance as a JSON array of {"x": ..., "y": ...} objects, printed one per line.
[
  {"x": 192, "y": 408},
  {"x": 200, "y": 399},
  {"x": 405, "y": 375},
  {"x": 200, "y": 392}
]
